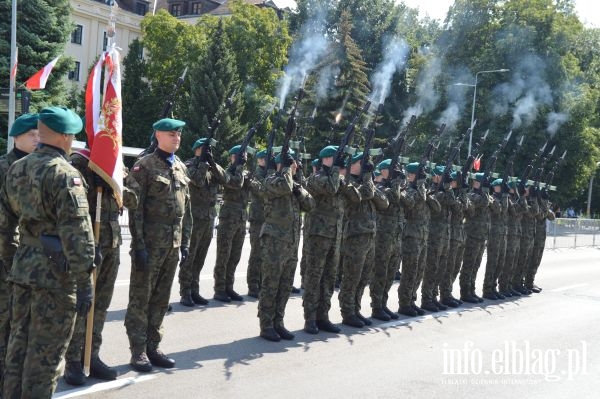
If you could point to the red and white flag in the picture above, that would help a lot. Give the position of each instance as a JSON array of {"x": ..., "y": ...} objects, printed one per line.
[
  {"x": 13, "y": 72},
  {"x": 38, "y": 81},
  {"x": 104, "y": 123}
]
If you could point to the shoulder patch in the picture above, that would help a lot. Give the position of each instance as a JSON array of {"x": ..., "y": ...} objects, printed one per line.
[
  {"x": 136, "y": 168},
  {"x": 76, "y": 181}
]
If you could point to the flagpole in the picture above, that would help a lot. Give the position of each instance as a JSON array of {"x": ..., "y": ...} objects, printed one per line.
[{"x": 13, "y": 83}]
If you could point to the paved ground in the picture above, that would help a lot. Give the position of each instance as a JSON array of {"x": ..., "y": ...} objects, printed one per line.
[{"x": 547, "y": 345}]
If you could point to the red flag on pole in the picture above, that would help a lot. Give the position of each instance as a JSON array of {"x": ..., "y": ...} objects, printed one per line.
[
  {"x": 477, "y": 164},
  {"x": 38, "y": 81},
  {"x": 13, "y": 72}
]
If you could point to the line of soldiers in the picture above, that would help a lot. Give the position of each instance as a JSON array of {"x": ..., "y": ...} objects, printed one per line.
[{"x": 367, "y": 220}]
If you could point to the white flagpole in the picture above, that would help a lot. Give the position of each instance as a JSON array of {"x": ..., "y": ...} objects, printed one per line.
[{"x": 13, "y": 83}]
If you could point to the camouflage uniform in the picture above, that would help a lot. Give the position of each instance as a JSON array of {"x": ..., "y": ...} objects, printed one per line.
[
  {"x": 517, "y": 206},
  {"x": 161, "y": 224},
  {"x": 456, "y": 244},
  {"x": 388, "y": 243},
  {"x": 527, "y": 239},
  {"x": 539, "y": 242},
  {"x": 477, "y": 227},
  {"x": 43, "y": 194},
  {"x": 496, "y": 245},
  {"x": 279, "y": 247},
  {"x": 204, "y": 184},
  {"x": 359, "y": 245},
  {"x": 256, "y": 217},
  {"x": 323, "y": 241},
  {"x": 231, "y": 231}
]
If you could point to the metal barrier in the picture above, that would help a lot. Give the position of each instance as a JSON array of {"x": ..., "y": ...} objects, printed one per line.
[{"x": 572, "y": 233}]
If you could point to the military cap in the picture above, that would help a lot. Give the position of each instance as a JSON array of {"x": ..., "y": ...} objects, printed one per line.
[
  {"x": 453, "y": 175},
  {"x": 261, "y": 154},
  {"x": 168, "y": 124},
  {"x": 377, "y": 172},
  {"x": 199, "y": 143},
  {"x": 496, "y": 182},
  {"x": 385, "y": 164},
  {"x": 438, "y": 170},
  {"x": 479, "y": 176},
  {"x": 513, "y": 183},
  {"x": 235, "y": 149},
  {"x": 328, "y": 151},
  {"x": 412, "y": 167},
  {"x": 315, "y": 162},
  {"x": 356, "y": 157},
  {"x": 278, "y": 157},
  {"x": 61, "y": 120},
  {"x": 23, "y": 124}
]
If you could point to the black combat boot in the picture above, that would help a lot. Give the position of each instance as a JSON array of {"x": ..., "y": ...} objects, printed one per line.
[
  {"x": 159, "y": 359},
  {"x": 234, "y": 295},
  {"x": 469, "y": 299},
  {"x": 99, "y": 370},
  {"x": 283, "y": 332},
  {"x": 523, "y": 291},
  {"x": 270, "y": 334},
  {"x": 490, "y": 295},
  {"x": 439, "y": 305},
  {"x": 364, "y": 319},
  {"x": 222, "y": 296},
  {"x": 326, "y": 325},
  {"x": 534, "y": 288},
  {"x": 407, "y": 311},
  {"x": 74, "y": 373},
  {"x": 380, "y": 314},
  {"x": 429, "y": 306},
  {"x": 253, "y": 293},
  {"x": 140, "y": 362},
  {"x": 353, "y": 321},
  {"x": 199, "y": 299},
  {"x": 450, "y": 302},
  {"x": 310, "y": 327},
  {"x": 186, "y": 300},
  {"x": 295, "y": 290},
  {"x": 417, "y": 309},
  {"x": 393, "y": 315},
  {"x": 499, "y": 295}
]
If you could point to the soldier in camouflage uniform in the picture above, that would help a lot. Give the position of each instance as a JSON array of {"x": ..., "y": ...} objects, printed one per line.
[
  {"x": 388, "y": 240},
  {"x": 160, "y": 227},
  {"x": 306, "y": 227},
  {"x": 25, "y": 133},
  {"x": 517, "y": 206},
  {"x": 231, "y": 231},
  {"x": 256, "y": 218},
  {"x": 205, "y": 176},
  {"x": 323, "y": 241},
  {"x": 437, "y": 242},
  {"x": 358, "y": 251},
  {"x": 539, "y": 242},
  {"x": 456, "y": 245},
  {"x": 477, "y": 227},
  {"x": 284, "y": 199},
  {"x": 496, "y": 245},
  {"x": 414, "y": 239},
  {"x": 527, "y": 239},
  {"x": 107, "y": 263},
  {"x": 45, "y": 197}
]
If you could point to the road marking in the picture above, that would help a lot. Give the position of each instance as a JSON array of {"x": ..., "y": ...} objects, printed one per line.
[
  {"x": 104, "y": 386},
  {"x": 568, "y": 287}
]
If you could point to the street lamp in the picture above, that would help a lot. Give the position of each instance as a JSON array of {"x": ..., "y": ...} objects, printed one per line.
[
  {"x": 589, "y": 202},
  {"x": 474, "y": 86}
]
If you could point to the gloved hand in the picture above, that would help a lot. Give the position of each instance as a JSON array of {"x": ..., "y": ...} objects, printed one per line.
[
  {"x": 271, "y": 165},
  {"x": 368, "y": 168},
  {"x": 98, "y": 256},
  {"x": 297, "y": 189},
  {"x": 339, "y": 162},
  {"x": 485, "y": 183},
  {"x": 544, "y": 194},
  {"x": 421, "y": 174},
  {"x": 287, "y": 160},
  {"x": 241, "y": 159},
  {"x": 447, "y": 178},
  {"x": 185, "y": 252},
  {"x": 141, "y": 260},
  {"x": 83, "y": 299}
]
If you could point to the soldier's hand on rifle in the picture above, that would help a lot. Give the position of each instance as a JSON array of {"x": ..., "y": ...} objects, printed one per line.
[
  {"x": 241, "y": 158},
  {"x": 83, "y": 297},
  {"x": 485, "y": 183},
  {"x": 287, "y": 160},
  {"x": 185, "y": 252},
  {"x": 368, "y": 167},
  {"x": 141, "y": 260},
  {"x": 297, "y": 189},
  {"x": 339, "y": 162},
  {"x": 271, "y": 165},
  {"x": 98, "y": 256},
  {"x": 544, "y": 194},
  {"x": 421, "y": 174}
]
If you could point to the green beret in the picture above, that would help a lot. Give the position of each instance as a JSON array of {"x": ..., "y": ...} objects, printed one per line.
[
  {"x": 377, "y": 172},
  {"x": 328, "y": 151},
  {"x": 261, "y": 154},
  {"x": 438, "y": 170},
  {"x": 356, "y": 157},
  {"x": 512, "y": 184},
  {"x": 61, "y": 120},
  {"x": 199, "y": 143},
  {"x": 168, "y": 124},
  {"x": 497, "y": 182},
  {"x": 23, "y": 124},
  {"x": 315, "y": 162},
  {"x": 479, "y": 176},
  {"x": 278, "y": 157},
  {"x": 235, "y": 149},
  {"x": 385, "y": 164},
  {"x": 454, "y": 175},
  {"x": 412, "y": 167}
]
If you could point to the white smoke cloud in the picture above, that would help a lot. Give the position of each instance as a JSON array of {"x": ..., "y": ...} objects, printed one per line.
[{"x": 394, "y": 60}]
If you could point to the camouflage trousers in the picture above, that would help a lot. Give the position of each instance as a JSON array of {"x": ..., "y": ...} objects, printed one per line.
[
  {"x": 496, "y": 252},
  {"x": 5, "y": 293},
  {"x": 254, "y": 261},
  {"x": 435, "y": 265},
  {"x": 521, "y": 262},
  {"x": 456, "y": 250},
  {"x": 536, "y": 258},
  {"x": 322, "y": 257},
  {"x": 189, "y": 271},
  {"x": 513, "y": 243},
  {"x": 277, "y": 272},
  {"x": 474, "y": 248},
  {"x": 414, "y": 255},
  {"x": 41, "y": 327},
  {"x": 230, "y": 240},
  {"x": 149, "y": 293},
  {"x": 388, "y": 248},
  {"x": 357, "y": 259},
  {"x": 106, "y": 275}
]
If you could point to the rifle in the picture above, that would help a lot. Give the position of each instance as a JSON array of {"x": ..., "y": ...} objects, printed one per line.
[
  {"x": 396, "y": 146},
  {"x": 492, "y": 162},
  {"x": 216, "y": 121},
  {"x": 366, "y": 157},
  {"x": 454, "y": 153},
  {"x": 165, "y": 112},
  {"x": 550, "y": 175},
  {"x": 509, "y": 165},
  {"x": 430, "y": 149},
  {"x": 464, "y": 173},
  {"x": 529, "y": 168},
  {"x": 344, "y": 148},
  {"x": 290, "y": 126},
  {"x": 250, "y": 134}
]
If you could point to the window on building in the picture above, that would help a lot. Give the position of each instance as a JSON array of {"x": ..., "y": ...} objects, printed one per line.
[
  {"x": 175, "y": 10},
  {"x": 77, "y": 34},
  {"x": 197, "y": 8},
  {"x": 141, "y": 8},
  {"x": 104, "y": 41},
  {"x": 74, "y": 74}
]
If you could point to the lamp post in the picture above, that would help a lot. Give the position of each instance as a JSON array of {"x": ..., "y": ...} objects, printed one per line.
[
  {"x": 589, "y": 201},
  {"x": 474, "y": 86}
]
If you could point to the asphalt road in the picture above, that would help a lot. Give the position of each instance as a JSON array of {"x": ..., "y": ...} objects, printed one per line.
[{"x": 546, "y": 345}]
